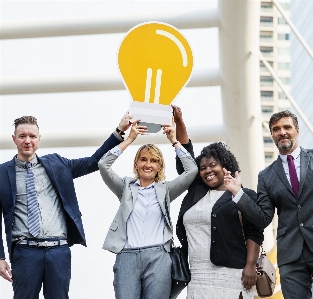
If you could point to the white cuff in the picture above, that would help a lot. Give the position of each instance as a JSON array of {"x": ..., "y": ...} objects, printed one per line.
[
  {"x": 238, "y": 196},
  {"x": 181, "y": 152},
  {"x": 116, "y": 151}
]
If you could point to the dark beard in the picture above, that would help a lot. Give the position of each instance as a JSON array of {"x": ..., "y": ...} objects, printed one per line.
[{"x": 285, "y": 147}]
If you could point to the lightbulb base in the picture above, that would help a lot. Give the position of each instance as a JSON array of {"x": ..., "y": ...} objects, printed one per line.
[
  {"x": 151, "y": 127},
  {"x": 151, "y": 115}
]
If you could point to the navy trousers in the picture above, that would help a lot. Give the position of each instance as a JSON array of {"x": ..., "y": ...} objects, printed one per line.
[{"x": 33, "y": 267}]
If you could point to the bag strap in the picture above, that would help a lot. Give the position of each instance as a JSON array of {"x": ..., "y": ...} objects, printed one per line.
[
  {"x": 167, "y": 213},
  {"x": 169, "y": 220},
  {"x": 240, "y": 219}
]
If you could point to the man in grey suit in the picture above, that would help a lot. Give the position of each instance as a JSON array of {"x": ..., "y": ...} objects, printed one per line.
[{"x": 287, "y": 184}]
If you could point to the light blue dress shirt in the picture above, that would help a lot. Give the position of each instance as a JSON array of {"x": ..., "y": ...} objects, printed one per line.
[{"x": 145, "y": 224}]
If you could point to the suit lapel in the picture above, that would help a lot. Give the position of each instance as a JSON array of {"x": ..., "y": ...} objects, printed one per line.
[
  {"x": 47, "y": 166},
  {"x": 223, "y": 199},
  {"x": 278, "y": 166},
  {"x": 200, "y": 192},
  {"x": 12, "y": 178},
  {"x": 304, "y": 162},
  {"x": 160, "y": 190}
]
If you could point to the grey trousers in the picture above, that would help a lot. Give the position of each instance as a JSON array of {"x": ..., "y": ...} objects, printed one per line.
[
  {"x": 142, "y": 273},
  {"x": 296, "y": 277}
]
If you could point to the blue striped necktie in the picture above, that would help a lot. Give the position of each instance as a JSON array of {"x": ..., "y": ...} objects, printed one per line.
[{"x": 32, "y": 203}]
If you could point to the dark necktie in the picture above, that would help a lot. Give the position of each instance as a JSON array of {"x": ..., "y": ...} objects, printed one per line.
[
  {"x": 293, "y": 175},
  {"x": 32, "y": 203}
]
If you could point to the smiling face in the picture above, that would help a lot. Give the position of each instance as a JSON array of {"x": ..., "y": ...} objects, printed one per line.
[
  {"x": 26, "y": 137},
  {"x": 211, "y": 173},
  {"x": 285, "y": 135},
  {"x": 147, "y": 167}
]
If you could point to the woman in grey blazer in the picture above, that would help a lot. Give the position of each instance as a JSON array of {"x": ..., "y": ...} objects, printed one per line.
[{"x": 141, "y": 232}]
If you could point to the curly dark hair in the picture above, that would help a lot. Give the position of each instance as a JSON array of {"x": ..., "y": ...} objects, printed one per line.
[{"x": 221, "y": 153}]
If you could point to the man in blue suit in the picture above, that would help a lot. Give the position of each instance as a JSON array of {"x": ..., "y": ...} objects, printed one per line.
[{"x": 41, "y": 213}]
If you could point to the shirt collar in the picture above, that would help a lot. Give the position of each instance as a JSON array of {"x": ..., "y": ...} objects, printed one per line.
[
  {"x": 22, "y": 164},
  {"x": 295, "y": 154},
  {"x": 150, "y": 186}
]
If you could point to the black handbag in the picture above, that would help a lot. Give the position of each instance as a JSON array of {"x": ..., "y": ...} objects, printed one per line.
[
  {"x": 180, "y": 271},
  {"x": 180, "y": 267}
]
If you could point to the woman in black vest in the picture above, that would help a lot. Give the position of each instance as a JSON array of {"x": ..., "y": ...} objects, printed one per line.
[{"x": 222, "y": 249}]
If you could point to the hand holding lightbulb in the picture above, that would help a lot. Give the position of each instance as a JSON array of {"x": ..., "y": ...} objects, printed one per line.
[
  {"x": 170, "y": 131},
  {"x": 125, "y": 122},
  {"x": 135, "y": 130}
]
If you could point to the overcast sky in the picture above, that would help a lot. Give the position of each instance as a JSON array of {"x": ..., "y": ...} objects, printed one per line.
[{"x": 92, "y": 274}]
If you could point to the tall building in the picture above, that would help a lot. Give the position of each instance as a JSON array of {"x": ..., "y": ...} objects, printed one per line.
[
  {"x": 302, "y": 66},
  {"x": 275, "y": 47}
]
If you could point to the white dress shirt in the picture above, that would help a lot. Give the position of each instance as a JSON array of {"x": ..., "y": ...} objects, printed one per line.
[{"x": 296, "y": 159}]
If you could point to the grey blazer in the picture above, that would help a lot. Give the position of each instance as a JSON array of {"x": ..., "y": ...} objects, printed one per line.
[
  {"x": 126, "y": 192},
  {"x": 295, "y": 215}
]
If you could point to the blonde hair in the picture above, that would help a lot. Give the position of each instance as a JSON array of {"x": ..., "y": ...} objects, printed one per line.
[{"x": 155, "y": 153}]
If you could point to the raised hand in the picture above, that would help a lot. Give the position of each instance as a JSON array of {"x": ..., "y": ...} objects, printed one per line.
[
  {"x": 170, "y": 131},
  {"x": 178, "y": 116},
  {"x": 233, "y": 184},
  {"x": 125, "y": 122},
  {"x": 181, "y": 130},
  {"x": 136, "y": 130}
]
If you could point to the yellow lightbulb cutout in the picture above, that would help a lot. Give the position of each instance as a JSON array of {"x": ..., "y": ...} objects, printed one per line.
[{"x": 156, "y": 62}]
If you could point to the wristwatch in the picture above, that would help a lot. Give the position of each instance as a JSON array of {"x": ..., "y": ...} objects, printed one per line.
[{"x": 119, "y": 131}]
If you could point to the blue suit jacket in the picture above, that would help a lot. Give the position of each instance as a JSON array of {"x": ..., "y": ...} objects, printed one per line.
[{"x": 61, "y": 172}]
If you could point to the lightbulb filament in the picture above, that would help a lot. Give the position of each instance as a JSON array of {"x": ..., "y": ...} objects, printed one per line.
[
  {"x": 178, "y": 43},
  {"x": 157, "y": 90},
  {"x": 148, "y": 85}
]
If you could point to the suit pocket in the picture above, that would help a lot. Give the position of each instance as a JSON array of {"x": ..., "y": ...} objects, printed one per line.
[
  {"x": 114, "y": 226},
  {"x": 281, "y": 231}
]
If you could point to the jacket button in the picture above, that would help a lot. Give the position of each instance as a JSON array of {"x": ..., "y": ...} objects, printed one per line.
[
  {"x": 214, "y": 228},
  {"x": 213, "y": 242},
  {"x": 213, "y": 215},
  {"x": 301, "y": 224},
  {"x": 299, "y": 207}
]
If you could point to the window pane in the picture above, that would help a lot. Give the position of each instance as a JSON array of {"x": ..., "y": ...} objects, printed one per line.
[
  {"x": 282, "y": 21},
  {"x": 284, "y": 66},
  {"x": 283, "y": 36},
  {"x": 267, "y": 141},
  {"x": 283, "y": 51}
]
